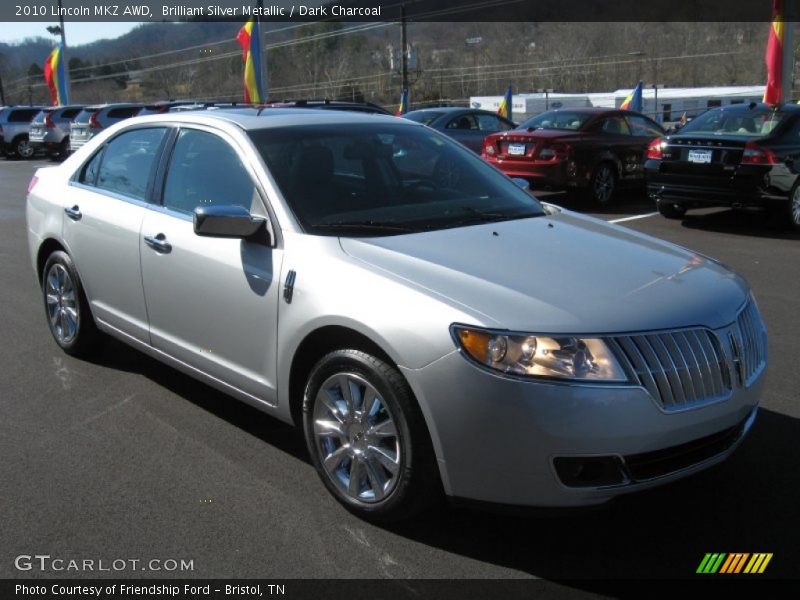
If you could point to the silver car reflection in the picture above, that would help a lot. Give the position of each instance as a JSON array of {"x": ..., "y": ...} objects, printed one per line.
[{"x": 431, "y": 326}]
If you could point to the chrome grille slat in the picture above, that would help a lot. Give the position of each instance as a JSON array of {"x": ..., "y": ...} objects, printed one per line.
[
  {"x": 680, "y": 369},
  {"x": 659, "y": 372},
  {"x": 751, "y": 335},
  {"x": 681, "y": 364},
  {"x": 694, "y": 368},
  {"x": 701, "y": 360}
]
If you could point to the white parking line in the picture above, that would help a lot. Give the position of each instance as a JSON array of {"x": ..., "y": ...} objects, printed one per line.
[{"x": 652, "y": 214}]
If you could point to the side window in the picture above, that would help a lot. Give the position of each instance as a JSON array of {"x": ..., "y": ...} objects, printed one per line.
[
  {"x": 490, "y": 124},
  {"x": 614, "y": 126},
  {"x": 128, "y": 161},
  {"x": 70, "y": 113},
  {"x": 88, "y": 174},
  {"x": 21, "y": 116},
  {"x": 463, "y": 122},
  {"x": 643, "y": 127},
  {"x": 206, "y": 171}
]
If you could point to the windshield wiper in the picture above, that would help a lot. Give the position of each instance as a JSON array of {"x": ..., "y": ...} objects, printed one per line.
[
  {"x": 488, "y": 217},
  {"x": 368, "y": 225}
]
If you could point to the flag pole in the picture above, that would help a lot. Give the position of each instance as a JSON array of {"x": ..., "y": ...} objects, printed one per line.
[
  {"x": 262, "y": 44},
  {"x": 787, "y": 46},
  {"x": 64, "y": 51}
]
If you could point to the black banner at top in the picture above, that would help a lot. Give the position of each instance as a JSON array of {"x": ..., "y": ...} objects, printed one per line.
[{"x": 387, "y": 10}]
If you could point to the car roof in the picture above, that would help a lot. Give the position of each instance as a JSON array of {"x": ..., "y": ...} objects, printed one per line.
[
  {"x": 250, "y": 119},
  {"x": 789, "y": 107},
  {"x": 113, "y": 105}
]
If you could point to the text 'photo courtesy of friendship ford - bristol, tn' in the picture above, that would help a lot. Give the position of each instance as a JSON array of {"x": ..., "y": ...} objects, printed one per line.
[{"x": 433, "y": 328}]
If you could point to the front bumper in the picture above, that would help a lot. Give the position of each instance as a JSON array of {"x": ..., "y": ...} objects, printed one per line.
[{"x": 499, "y": 439}]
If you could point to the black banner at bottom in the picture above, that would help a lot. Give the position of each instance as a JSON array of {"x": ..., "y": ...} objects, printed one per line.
[{"x": 383, "y": 589}]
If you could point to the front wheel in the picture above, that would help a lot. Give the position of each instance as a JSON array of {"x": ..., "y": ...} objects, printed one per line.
[
  {"x": 671, "y": 210},
  {"x": 67, "y": 310},
  {"x": 367, "y": 438}
]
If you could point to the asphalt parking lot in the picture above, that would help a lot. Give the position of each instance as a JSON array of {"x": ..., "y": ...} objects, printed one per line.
[{"x": 125, "y": 458}]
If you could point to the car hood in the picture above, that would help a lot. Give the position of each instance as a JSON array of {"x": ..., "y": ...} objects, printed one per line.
[{"x": 564, "y": 273}]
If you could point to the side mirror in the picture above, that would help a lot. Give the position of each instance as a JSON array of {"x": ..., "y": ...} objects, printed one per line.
[
  {"x": 522, "y": 183},
  {"x": 227, "y": 221}
]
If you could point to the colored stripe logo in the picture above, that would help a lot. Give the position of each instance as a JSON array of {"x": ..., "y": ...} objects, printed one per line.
[{"x": 737, "y": 562}]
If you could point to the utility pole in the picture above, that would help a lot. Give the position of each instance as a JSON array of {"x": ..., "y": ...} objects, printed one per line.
[
  {"x": 64, "y": 51},
  {"x": 403, "y": 47}
]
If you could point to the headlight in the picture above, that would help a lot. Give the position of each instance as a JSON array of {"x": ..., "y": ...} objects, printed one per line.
[{"x": 534, "y": 355}]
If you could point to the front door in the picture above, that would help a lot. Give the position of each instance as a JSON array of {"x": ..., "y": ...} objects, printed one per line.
[{"x": 212, "y": 302}]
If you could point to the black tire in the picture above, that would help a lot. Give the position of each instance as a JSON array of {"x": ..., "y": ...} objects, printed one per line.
[
  {"x": 670, "y": 210},
  {"x": 63, "y": 151},
  {"x": 86, "y": 334},
  {"x": 21, "y": 148},
  {"x": 791, "y": 209},
  {"x": 603, "y": 184},
  {"x": 416, "y": 484}
]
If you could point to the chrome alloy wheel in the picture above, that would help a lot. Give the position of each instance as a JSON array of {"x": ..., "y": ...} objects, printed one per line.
[
  {"x": 24, "y": 149},
  {"x": 62, "y": 303},
  {"x": 603, "y": 184},
  {"x": 357, "y": 438},
  {"x": 795, "y": 207}
]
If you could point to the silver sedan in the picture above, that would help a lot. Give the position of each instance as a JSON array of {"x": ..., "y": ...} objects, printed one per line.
[{"x": 433, "y": 328}]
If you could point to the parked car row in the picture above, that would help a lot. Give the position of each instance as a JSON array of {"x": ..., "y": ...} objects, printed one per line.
[{"x": 59, "y": 130}]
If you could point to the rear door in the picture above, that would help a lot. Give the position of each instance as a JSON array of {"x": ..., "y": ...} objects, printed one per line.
[
  {"x": 105, "y": 205},
  {"x": 615, "y": 140},
  {"x": 464, "y": 128},
  {"x": 643, "y": 131}
]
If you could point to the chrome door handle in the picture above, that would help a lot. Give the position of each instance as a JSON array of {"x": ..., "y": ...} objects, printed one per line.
[
  {"x": 74, "y": 213},
  {"x": 158, "y": 243}
]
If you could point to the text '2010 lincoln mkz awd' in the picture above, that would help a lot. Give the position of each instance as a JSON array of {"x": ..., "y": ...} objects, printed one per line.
[{"x": 430, "y": 325}]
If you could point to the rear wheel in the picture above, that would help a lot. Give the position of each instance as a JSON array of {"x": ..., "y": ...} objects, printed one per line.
[
  {"x": 793, "y": 212},
  {"x": 67, "y": 310},
  {"x": 367, "y": 438},
  {"x": 22, "y": 147},
  {"x": 670, "y": 210},
  {"x": 603, "y": 184}
]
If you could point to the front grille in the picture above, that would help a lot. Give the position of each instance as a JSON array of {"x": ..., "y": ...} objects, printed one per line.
[
  {"x": 679, "y": 369},
  {"x": 753, "y": 342},
  {"x": 650, "y": 465}
]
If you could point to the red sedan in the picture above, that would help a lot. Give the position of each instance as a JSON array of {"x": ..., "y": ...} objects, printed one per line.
[{"x": 593, "y": 150}]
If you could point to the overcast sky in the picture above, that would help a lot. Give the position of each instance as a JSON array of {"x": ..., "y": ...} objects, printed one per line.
[{"x": 77, "y": 33}]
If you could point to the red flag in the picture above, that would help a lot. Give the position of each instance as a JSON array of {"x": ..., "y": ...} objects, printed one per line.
[{"x": 774, "y": 56}]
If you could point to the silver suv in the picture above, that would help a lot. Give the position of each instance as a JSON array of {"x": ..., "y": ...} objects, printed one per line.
[
  {"x": 15, "y": 123},
  {"x": 50, "y": 129},
  {"x": 427, "y": 323},
  {"x": 93, "y": 119}
]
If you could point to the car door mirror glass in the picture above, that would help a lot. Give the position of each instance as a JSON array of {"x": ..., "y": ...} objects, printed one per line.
[{"x": 228, "y": 221}]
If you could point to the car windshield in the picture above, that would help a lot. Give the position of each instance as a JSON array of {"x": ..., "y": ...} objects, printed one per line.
[
  {"x": 383, "y": 178},
  {"x": 426, "y": 117},
  {"x": 720, "y": 121},
  {"x": 556, "y": 119}
]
